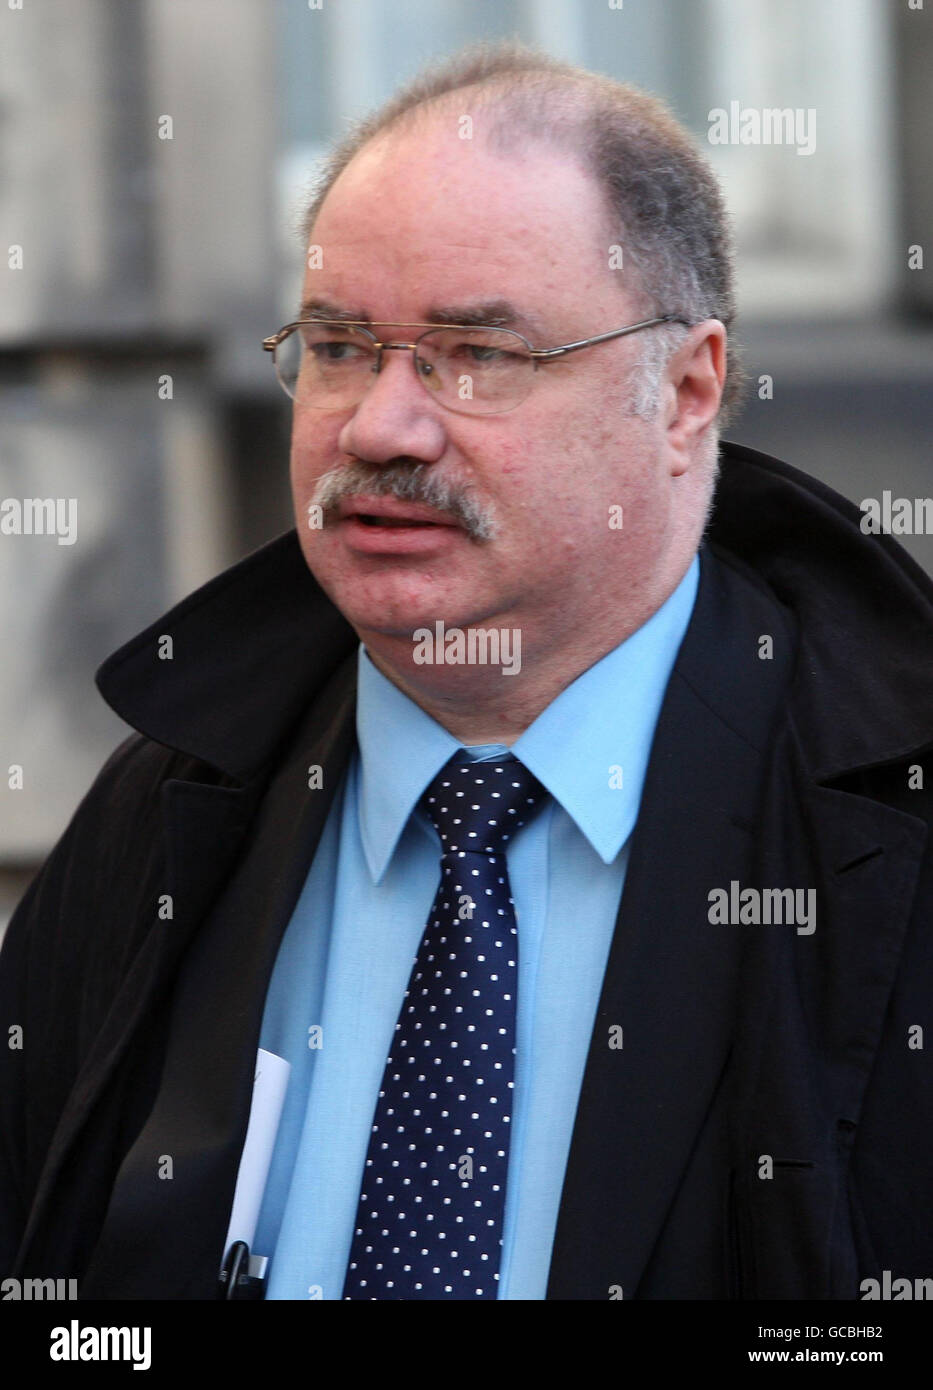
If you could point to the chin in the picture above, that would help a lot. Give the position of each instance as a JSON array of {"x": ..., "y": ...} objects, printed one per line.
[{"x": 383, "y": 613}]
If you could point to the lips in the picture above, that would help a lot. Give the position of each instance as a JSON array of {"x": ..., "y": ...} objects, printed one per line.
[
  {"x": 391, "y": 521},
  {"x": 387, "y": 528},
  {"x": 388, "y": 512}
]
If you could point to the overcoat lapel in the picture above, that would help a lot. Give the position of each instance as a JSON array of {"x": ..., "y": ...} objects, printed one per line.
[
  {"x": 671, "y": 975},
  {"x": 167, "y": 1218},
  {"x": 226, "y": 749},
  {"x": 797, "y": 1018}
]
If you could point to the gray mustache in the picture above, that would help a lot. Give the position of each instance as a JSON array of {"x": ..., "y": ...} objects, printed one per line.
[{"x": 417, "y": 482}]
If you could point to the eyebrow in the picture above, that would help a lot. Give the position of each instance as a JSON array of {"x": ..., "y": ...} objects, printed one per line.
[{"x": 488, "y": 313}]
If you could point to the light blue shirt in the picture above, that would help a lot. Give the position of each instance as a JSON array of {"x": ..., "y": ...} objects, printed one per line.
[{"x": 346, "y": 956}]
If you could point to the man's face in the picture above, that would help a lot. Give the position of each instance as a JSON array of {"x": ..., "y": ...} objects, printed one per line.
[{"x": 417, "y": 224}]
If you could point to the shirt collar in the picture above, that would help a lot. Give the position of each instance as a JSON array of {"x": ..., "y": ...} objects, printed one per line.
[
  {"x": 589, "y": 747},
  {"x": 401, "y": 749}
]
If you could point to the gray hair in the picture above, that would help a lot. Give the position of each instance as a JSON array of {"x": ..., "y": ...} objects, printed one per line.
[{"x": 663, "y": 204}]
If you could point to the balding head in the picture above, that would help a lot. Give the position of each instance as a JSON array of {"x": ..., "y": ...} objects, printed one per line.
[{"x": 664, "y": 231}]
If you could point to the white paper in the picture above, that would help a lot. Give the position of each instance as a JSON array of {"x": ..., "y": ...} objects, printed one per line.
[{"x": 269, "y": 1086}]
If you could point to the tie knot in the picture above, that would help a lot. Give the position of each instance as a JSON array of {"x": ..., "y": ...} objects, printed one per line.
[{"x": 477, "y": 807}]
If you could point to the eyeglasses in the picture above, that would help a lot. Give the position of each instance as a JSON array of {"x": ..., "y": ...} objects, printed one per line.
[{"x": 328, "y": 364}]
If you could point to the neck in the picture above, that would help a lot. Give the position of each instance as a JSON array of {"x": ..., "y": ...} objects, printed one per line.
[
  {"x": 485, "y": 703},
  {"x": 476, "y": 708}
]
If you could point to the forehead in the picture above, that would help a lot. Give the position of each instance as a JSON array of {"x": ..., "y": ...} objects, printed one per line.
[{"x": 425, "y": 215}]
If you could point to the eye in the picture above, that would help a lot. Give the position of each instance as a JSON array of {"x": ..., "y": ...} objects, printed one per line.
[
  {"x": 482, "y": 354},
  {"x": 487, "y": 354},
  {"x": 336, "y": 350}
]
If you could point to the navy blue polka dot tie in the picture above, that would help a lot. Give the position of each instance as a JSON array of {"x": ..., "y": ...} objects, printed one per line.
[{"x": 429, "y": 1222}]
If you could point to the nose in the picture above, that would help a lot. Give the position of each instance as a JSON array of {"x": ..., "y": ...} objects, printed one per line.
[{"x": 396, "y": 416}]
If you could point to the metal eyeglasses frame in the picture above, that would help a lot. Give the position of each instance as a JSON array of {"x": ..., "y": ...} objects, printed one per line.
[{"x": 537, "y": 355}]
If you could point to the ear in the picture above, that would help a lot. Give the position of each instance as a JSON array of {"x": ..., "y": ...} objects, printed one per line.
[{"x": 694, "y": 381}]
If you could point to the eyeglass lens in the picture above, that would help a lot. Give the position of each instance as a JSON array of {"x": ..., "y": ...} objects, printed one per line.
[{"x": 330, "y": 366}]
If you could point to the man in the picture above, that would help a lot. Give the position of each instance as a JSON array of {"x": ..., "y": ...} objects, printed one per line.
[{"x": 669, "y": 1042}]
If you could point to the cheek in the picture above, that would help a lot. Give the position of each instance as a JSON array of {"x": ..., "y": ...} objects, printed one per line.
[
  {"x": 597, "y": 484},
  {"x": 559, "y": 469},
  {"x": 313, "y": 446}
]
